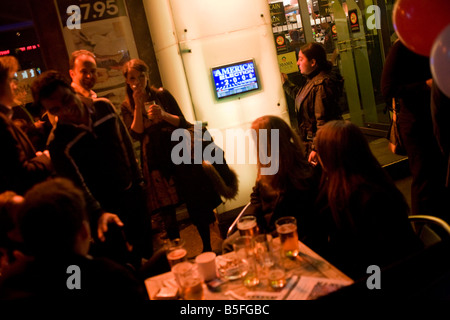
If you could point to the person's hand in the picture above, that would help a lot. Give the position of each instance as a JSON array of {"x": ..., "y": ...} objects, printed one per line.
[
  {"x": 45, "y": 153},
  {"x": 39, "y": 124},
  {"x": 284, "y": 77},
  {"x": 313, "y": 158},
  {"x": 139, "y": 95},
  {"x": 103, "y": 222},
  {"x": 20, "y": 256}
]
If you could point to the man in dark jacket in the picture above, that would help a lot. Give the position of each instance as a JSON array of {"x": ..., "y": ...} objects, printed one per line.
[
  {"x": 56, "y": 233},
  {"x": 407, "y": 78},
  {"x": 91, "y": 146},
  {"x": 20, "y": 166}
]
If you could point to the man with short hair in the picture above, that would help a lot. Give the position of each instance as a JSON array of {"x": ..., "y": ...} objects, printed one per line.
[
  {"x": 20, "y": 165},
  {"x": 83, "y": 71},
  {"x": 56, "y": 234},
  {"x": 91, "y": 146}
]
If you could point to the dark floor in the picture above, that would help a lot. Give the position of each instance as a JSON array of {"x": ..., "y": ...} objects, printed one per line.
[{"x": 394, "y": 164}]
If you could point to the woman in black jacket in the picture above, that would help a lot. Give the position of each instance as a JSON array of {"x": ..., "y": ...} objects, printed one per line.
[{"x": 317, "y": 100}]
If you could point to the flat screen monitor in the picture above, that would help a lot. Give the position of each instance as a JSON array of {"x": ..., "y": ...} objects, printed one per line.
[{"x": 235, "y": 78}]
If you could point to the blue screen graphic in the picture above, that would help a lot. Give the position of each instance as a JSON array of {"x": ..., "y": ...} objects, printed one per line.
[{"x": 235, "y": 79}]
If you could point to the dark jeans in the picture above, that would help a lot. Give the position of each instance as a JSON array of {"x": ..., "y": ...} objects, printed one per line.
[{"x": 427, "y": 164}]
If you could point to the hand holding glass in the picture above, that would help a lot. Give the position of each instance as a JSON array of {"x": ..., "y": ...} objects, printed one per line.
[{"x": 147, "y": 106}]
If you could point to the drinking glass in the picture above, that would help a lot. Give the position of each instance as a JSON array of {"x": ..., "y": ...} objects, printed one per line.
[
  {"x": 247, "y": 226},
  {"x": 287, "y": 230},
  {"x": 189, "y": 280},
  {"x": 263, "y": 254},
  {"x": 147, "y": 105},
  {"x": 277, "y": 273},
  {"x": 175, "y": 251},
  {"x": 244, "y": 251}
]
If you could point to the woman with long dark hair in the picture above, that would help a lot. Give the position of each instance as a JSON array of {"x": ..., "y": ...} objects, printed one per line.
[
  {"x": 317, "y": 100},
  {"x": 367, "y": 216},
  {"x": 291, "y": 190}
]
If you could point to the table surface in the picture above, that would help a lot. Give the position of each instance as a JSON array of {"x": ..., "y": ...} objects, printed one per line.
[{"x": 308, "y": 264}]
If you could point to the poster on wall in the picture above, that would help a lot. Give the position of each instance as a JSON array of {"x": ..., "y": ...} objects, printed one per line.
[
  {"x": 354, "y": 21},
  {"x": 280, "y": 42},
  {"x": 277, "y": 13},
  {"x": 102, "y": 27},
  {"x": 324, "y": 8},
  {"x": 288, "y": 62},
  {"x": 333, "y": 31}
]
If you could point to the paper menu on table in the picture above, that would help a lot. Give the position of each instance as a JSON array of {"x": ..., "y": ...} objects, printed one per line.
[{"x": 310, "y": 288}]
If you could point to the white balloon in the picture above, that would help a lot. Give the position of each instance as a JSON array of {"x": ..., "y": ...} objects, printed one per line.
[{"x": 440, "y": 61}]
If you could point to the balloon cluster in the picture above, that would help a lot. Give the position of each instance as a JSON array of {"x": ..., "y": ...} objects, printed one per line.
[{"x": 424, "y": 27}]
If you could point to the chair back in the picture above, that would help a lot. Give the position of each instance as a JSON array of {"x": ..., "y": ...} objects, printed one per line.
[
  {"x": 233, "y": 226},
  {"x": 430, "y": 229}
]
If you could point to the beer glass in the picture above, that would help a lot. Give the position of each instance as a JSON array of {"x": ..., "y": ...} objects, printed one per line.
[
  {"x": 287, "y": 230},
  {"x": 175, "y": 251},
  {"x": 147, "y": 106},
  {"x": 244, "y": 251},
  {"x": 263, "y": 254},
  {"x": 189, "y": 280},
  {"x": 277, "y": 273},
  {"x": 247, "y": 226}
]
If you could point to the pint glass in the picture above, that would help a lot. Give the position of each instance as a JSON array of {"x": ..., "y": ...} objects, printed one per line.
[
  {"x": 287, "y": 230},
  {"x": 176, "y": 252},
  {"x": 247, "y": 226}
]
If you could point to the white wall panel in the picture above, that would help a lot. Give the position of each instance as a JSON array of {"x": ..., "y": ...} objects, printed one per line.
[{"x": 192, "y": 36}]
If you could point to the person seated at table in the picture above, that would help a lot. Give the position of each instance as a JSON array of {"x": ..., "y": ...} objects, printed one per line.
[
  {"x": 364, "y": 217},
  {"x": 56, "y": 234},
  {"x": 290, "y": 191}
]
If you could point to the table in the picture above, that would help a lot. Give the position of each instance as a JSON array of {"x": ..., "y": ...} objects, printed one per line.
[{"x": 306, "y": 271}]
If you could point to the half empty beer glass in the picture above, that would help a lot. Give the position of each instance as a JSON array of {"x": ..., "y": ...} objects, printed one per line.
[
  {"x": 175, "y": 251},
  {"x": 287, "y": 230},
  {"x": 247, "y": 226}
]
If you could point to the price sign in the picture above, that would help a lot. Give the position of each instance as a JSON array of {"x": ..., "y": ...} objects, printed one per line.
[{"x": 90, "y": 10}]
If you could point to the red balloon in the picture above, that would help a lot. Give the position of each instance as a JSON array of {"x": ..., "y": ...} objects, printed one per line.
[{"x": 418, "y": 22}]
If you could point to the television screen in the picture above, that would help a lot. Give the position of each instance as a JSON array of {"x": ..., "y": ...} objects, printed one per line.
[{"x": 235, "y": 78}]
